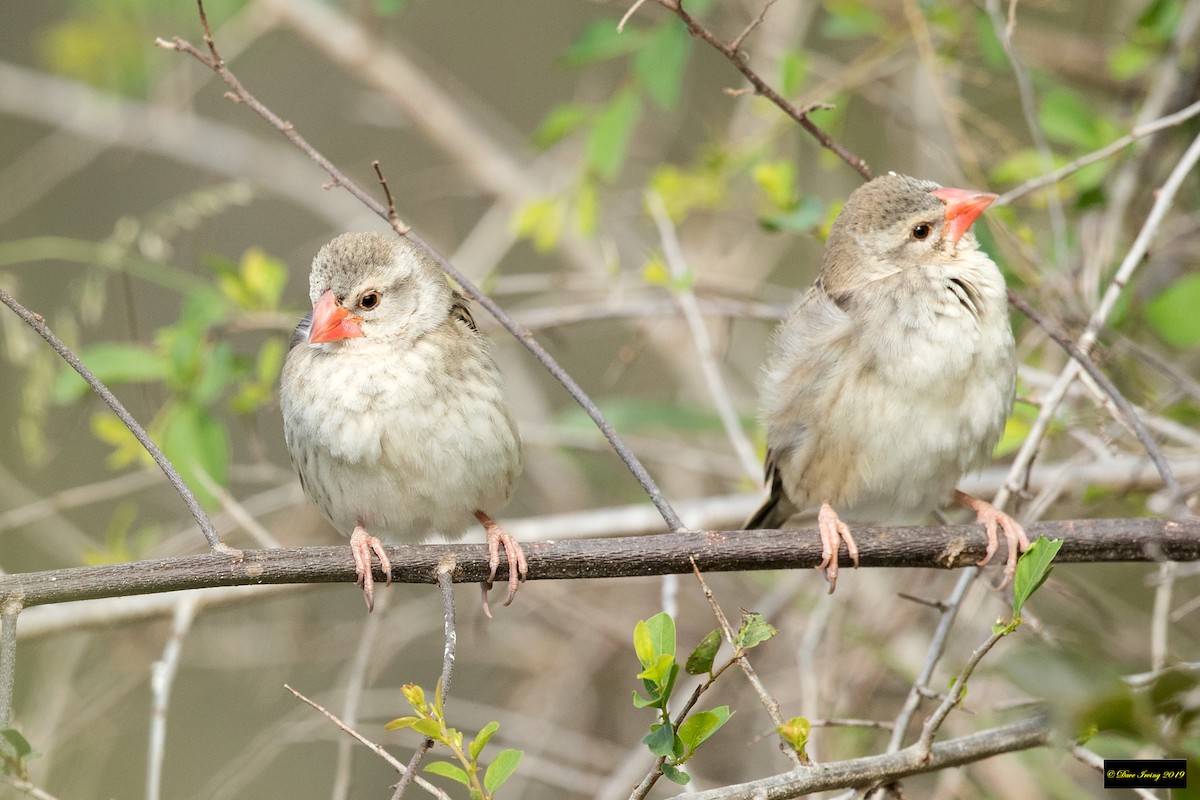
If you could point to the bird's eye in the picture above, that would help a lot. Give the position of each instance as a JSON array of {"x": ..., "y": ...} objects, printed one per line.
[
  {"x": 369, "y": 300},
  {"x": 921, "y": 232}
]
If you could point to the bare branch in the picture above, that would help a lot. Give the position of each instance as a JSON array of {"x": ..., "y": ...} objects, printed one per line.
[
  {"x": 940, "y": 547},
  {"x": 38, "y": 323}
]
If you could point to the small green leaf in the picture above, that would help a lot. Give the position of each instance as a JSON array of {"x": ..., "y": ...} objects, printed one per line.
[
  {"x": 448, "y": 770},
  {"x": 654, "y": 637},
  {"x": 792, "y": 69},
  {"x": 700, "y": 662},
  {"x": 694, "y": 730},
  {"x": 20, "y": 745},
  {"x": 415, "y": 696},
  {"x": 682, "y": 191},
  {"x": 428, "y": 728},
  {"x": 1033, "y": 568},
  {"x": 609, "y": 137},
  {"x": 561, "y": 122},
  {"x": 990, "y": 47},
  {"x": 659, "y": 673},
  {"x": 540, "y": 221},
  {"x": 850, "y": 19},
  {"x": 675, "y": 774},
  {"x": 660, "y": 740},
  {"x": 804, "y": 217},
  {"x": 600, "y": 41},
  {"x": 754, "y": 630},
  {"x": 1172, "y": 314},
  {"x": 1129, "y": 59},
  {"x": 777, "y": 179},
  {"x": 587, "y": 208},
  {"x": 501, "y": 769},
  {"x": 400, "y": 723},
  {"x": 796, "y": 732},
  {"x": 659, "y": 64},
  {"x": 482, "y": 739},
  {"x": 193, "y": 439},
  {"x": 654, "y": 701},
  {"x": 1068, "y": 118},
  {"x": 108, "y": 428},
  {"x": 112, "y": 363}
]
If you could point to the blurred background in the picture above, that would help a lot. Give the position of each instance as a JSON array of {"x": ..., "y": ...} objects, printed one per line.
[{"x": 165, "y": 233}]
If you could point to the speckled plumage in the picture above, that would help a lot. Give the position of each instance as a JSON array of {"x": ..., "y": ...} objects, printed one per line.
[
  {"x": 404, "y": 428},
  {"x": 894, "y": 373}
]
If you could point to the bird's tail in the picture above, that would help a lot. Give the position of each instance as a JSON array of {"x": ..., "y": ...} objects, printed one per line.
[{"x": 773, "y": 513}]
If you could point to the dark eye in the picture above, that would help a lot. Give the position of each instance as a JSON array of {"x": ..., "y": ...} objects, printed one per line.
[
  {"x": 369, "y": 300},
  {"x": 921, "y": 231}
]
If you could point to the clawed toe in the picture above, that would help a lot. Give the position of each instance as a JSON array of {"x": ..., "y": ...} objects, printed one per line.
[
  {"x": 362, "y": 545},
  {"x": 515, "y": 556},
  {"x": 994, "y": 520}
]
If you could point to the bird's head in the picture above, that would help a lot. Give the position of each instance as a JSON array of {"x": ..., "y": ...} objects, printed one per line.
[
  {"x": 895, "y": 222},
  {"x": 375, "y": 287}
]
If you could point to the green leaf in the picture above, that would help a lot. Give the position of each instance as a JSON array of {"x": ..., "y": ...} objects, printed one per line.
[
  {"x": 482, "y": 739},
  {"x": 586, "y": 207},
  {"x": 990, "y": 47},
  {"x": 694, "y": 730},
  {"x": 600, "y": 41},
  {"x": 448, "y": 770},
  {"x": 429, "y": 729},
  {"x": 559, "y": 123},
  {"x": 700, "y": 662},
  {"x": 501, "y": 769},
  {"x": 661, "y": 630},
  {"x": 660, "y": 63},
  {"x": 851, "y": 19},
  {"x": 793, "y": 68},
  {"x": 1033, "y": 568},
  {"x": 804, "y": 217},
  {"x": 540, "y": 221},
  {"x": 753, "y": 631},
  {"x": 660, "y": 740},
  {"x": 112, "y": 363},
  {"x": 193, "y": 439},
  {"x": 675, "y": 774},
  {"x": 1067, "y": 118},
  {"x": 654, "y": 701},
  {"x": 796, "y": 732},
  {"x": 400, "y": 723},
  {"x": 609, "y": 137},
  {"x": 20, "y": 745},
  {"x": 1174, "y": 314},
  {"x": 1129, "y": 59},
  {"x": 415, "y": 696},
  {"x": 658, "y": 673},
  {"x": 777, "y": 179},
  {"x": 683, "y": 191},
  {"x": 108, "y": 428}
]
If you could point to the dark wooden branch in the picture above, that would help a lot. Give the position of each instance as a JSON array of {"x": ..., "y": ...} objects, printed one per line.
[{"x": 946, "y": 547}]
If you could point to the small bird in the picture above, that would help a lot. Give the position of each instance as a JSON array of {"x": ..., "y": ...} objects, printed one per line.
[
  {"x": 894, "y": 373},
  {"x": 393, "y": 406}
]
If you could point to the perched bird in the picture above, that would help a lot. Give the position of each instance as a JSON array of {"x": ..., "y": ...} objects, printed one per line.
[
  {"x": 393, "y": 407},
  {"x": 894, "y": 373}
]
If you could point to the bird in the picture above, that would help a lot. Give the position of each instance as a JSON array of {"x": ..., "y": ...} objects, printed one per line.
[
  {"x": 393, "y": 407},
  {"x": 893, "y": 374}
]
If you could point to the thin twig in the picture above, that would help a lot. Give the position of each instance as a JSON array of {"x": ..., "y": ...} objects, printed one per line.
[
  {"x": 162, "y": 679},
  {"x": 736, "y": 44},
  {"x": 1140, "y": 131},
  {"x": 955, "y": 696},
  {"x": 38, "y": 323},
  {"x": 522, "y": 335},
  {"x": 1128, "y": 415},
  {"x": 1163, "y": 200},
  {"x": 764, "y": 697},
  {"x": 445, "y": 579},
  {"x": 9, "y": 611},
  {"x": 761, "y": 87},
  {"x": 706, "y": 359},
  {"x": 392, "y": 217},
  {"x": 378, "y": 748},
  {"x": 353, "y": 681}
]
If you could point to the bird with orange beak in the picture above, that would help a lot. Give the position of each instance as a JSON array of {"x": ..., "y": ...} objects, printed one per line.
[{"x": 893, "y": 375}]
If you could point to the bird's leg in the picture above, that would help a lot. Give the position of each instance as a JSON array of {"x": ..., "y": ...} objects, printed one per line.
[
  {"x": 833, "y": 533},
  {"x": 362, "y": 544},
  {"x": 991, "y": 516},
  {"x": 517, "y": 568}
]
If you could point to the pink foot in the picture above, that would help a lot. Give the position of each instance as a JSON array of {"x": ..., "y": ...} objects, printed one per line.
[
  {"x": 833, "y": 533},
  {"x": 517, "y": 568},
  {"x": 1014, "y": 534},
  {"x": 362, "y": 545}
]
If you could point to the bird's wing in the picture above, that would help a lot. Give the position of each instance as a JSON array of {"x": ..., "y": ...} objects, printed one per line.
[
  {"x": 300, "y": 335},
  {"x": 461, "y": 311}
]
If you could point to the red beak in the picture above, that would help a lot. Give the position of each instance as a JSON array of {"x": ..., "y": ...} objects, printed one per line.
[
  {"x": 331, "y": 322},
  {"x": 963, "y": 207}
]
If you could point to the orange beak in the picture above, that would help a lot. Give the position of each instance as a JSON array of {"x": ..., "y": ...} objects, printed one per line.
[
  {"x": 331, "y": 322},
  {"x": 963, "y": 207}
]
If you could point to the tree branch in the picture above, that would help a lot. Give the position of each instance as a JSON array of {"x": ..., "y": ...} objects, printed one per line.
[{"x": 945, "y": 547}]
